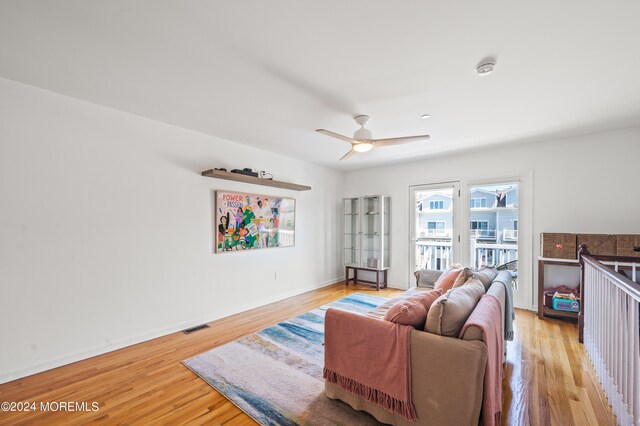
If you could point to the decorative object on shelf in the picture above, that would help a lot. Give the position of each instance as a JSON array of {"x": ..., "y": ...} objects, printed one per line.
[
  {"x": 560, "y": 291},
  {"x": 245, "y": 171},
  {"x": 253, "y": 221},
  {"x": 264, "y": 175},
  {"x": 565, "y": 302},
  {"x": 627, "y": 245},
  {"x": 266, "y": 181},
  {"x": 366, "y": 228},
  {"x": 599, "y": 244},
  {"x": 559, "y": 245}
]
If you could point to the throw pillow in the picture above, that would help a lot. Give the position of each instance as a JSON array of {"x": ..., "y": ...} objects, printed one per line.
[
  {"x": 407, "y": 312},
  {"x": 462, "y": 277},
  {"x": 446, "y": 280},
  {"x": 426, "y": 298},
  {"x": 427, "y": 277},
  {"x": 451, "y": 310},
  {"x": 486, "y": 276}
]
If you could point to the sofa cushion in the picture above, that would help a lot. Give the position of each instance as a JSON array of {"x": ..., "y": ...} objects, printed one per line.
[
  {"x": 446, "y": 280},
  {"x": 450, "y": 311},
  {"x": 427, "y": 277},
  {"x": 486, "y": 276},
  {"x": 425, "y": 298},
  {"x": 381, "y": 310},
  {"x": 407, "y": 312},
  {"x": 462, "y": 277}
]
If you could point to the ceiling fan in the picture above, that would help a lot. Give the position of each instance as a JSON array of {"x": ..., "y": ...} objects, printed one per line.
[{"x": 363, "y": 142}]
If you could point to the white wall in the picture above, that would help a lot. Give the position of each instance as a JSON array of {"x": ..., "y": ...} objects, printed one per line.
[
  {"x": 106, "y": 230},
  {"x": 580, "y": 184}
]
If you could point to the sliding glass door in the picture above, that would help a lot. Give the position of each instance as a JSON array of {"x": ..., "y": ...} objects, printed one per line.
[
  {"x": 434, "y": 226},
  {"x": 493, "y": 225},
  {"x": 476, "y": 224}
]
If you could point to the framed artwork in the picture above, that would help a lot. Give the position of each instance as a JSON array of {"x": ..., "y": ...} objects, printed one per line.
[{"x": 253, "y": 221}]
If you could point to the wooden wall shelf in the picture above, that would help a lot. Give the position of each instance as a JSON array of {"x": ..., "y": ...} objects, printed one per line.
[{"x": 219, "y": 174}]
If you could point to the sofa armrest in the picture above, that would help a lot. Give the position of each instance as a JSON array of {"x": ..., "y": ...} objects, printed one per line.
[{"x": 427, "y": 277}]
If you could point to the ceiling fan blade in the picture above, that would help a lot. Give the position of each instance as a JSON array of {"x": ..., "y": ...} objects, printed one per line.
[
  {"x": 336, "y": 135},
  {"x": 349, "y": 154},
  {"x": 400, "y": 140}
]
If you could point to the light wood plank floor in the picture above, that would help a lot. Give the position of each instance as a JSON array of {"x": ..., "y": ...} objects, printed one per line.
[{"x": 548, "y": 377}]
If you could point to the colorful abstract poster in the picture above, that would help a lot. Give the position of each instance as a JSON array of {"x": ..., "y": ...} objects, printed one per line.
[{"x": 253, "y": 221}]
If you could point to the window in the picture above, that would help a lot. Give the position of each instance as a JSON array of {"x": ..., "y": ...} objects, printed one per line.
[
  {"x": 515, "y": 224},
  {"x": 435, "y": 225},
  {"x": 479, "y": 224},
  {"x": 436, "y": 205},
  {"x": 478, "y": 203}
]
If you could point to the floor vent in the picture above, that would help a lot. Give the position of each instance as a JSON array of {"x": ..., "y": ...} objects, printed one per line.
[{"x": 196, "y": 328}]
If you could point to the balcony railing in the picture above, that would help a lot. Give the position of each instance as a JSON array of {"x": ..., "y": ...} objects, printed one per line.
[
  {"x": 433, "y": 255},
  {"x": 510, "y": 234},
  {"x": 438, "y": 255},
  {"x": 484, "y": 234},
  {"x": 491, "y": 255},
  {"x": 432, "y": 233}
]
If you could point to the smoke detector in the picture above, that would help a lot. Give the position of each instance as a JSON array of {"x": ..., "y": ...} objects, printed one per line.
[{"x": 486, "y": 66}]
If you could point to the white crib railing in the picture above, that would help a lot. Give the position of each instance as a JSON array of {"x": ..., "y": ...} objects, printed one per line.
[{"x": 611, "y": 316}]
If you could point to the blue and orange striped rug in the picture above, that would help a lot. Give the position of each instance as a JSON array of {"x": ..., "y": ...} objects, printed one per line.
[{"x": 275, "y": 375}]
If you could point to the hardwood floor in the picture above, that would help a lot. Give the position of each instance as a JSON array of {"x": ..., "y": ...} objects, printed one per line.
[{"x": 548, "y": 378}]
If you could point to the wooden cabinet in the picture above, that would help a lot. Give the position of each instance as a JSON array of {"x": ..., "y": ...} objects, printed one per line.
[{"x": 554, "y": 272}]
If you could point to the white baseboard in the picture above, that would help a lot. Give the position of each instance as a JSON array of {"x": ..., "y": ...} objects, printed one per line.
[{"x": 123, "y": 343}]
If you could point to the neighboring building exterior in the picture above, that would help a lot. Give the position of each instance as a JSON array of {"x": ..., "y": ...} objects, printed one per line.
[
  {"x": 493, "y": 226},
  {"x": 491, "y": 219}
]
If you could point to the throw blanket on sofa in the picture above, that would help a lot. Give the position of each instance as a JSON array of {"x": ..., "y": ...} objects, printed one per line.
[
  {"x": 355, "y": 346},
  {"x": 488, "y": 317}
]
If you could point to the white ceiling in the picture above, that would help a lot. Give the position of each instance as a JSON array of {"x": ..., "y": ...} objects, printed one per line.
[{"x": 268, "y": 73}]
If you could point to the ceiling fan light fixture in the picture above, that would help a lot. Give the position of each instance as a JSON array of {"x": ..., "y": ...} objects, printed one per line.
[
  {"x": 362, "y": 133},
  {"x": 362, "y": 140},
  {"x": 363, "y": 147}
]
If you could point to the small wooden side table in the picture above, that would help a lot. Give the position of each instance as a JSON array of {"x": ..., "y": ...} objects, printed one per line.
[{"x": 379, "y": 273}]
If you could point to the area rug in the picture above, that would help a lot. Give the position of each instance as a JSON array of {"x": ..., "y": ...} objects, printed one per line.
[{"x": 275, "y": 375}]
